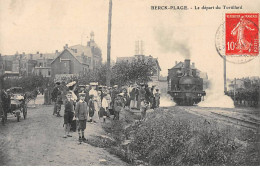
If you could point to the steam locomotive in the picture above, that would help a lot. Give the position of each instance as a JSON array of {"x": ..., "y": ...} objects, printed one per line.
[{"x": 184, "y": 84}]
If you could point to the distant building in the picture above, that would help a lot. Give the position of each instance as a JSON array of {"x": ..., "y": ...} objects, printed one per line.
[
  {"x": 77, "y": 59},
  {"x": 43, "y": 66},
  {"x": 155, "y": 74},
  {"x": 242, "y": 83}
]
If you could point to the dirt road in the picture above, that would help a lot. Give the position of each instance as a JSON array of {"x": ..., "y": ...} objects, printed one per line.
[{"x": 38, "y": 141}]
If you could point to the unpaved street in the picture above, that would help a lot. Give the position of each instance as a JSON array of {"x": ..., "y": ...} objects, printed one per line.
[{"x": 38, "y": 141}]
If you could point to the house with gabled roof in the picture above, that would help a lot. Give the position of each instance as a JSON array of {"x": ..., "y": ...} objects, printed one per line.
[{"x": 77, "y": 59}]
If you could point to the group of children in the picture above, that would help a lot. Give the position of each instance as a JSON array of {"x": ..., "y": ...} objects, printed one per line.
[
  {"x": 80, "y": 115},
  {"x": 100, "y": 104}
]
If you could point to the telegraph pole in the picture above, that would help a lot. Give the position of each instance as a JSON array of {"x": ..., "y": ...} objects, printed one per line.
[{"x": 109, "y": 44}]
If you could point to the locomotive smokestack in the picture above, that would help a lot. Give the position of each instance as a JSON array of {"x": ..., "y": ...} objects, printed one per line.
[
  {"x": 187, "y": 63},
  {"x": 187, "y": 66}
]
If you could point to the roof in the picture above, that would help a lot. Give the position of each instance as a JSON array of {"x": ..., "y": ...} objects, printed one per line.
[
  {"x": 81, "y": 53},
  {"x": 80, "y": 50},
  {"x": 181, "y": 65},
  {"x": 31, "y": 56},
  {"x": 125, "y": 59},
  {"x": 70, "y": 51}
]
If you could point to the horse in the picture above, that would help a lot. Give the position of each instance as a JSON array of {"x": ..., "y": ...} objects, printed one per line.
[{"x": 28, "y": 96}]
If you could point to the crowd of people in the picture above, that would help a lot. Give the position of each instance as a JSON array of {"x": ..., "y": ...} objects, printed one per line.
[{"x": 96, "y": 103}]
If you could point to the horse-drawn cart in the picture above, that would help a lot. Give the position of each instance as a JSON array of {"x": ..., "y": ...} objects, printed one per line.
[{"x": 18, "y": 104}]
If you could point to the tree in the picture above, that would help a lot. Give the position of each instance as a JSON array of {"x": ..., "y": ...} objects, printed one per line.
[{"x": 137, "y": 71}]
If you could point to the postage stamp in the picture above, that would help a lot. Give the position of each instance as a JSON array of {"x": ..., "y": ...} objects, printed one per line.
[
  {"x": 242, "y": 34},
  {"x": 237, "y": 38}
]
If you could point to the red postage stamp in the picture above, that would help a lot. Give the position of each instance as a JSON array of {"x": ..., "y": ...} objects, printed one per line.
[{"x": 242, "y": 34}]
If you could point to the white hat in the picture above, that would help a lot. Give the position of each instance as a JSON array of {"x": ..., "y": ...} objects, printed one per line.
[
  {"x": 93, "y": 83},
  {"x": 71, "y": 84},
  {"x": 121, "y": 94}
]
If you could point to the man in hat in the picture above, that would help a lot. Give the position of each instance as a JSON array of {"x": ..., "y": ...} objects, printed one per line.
[
  {"x": 114, "y": 94},
  {"x": 157, "y": 98},
  {"x": 87, "y": 89},
  {"x": 54, "y": 96}
]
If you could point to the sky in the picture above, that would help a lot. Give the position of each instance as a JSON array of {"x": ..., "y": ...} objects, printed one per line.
[{"x": 169, "y": 35}]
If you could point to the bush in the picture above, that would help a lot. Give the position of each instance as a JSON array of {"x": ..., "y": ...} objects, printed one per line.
[{"x": 163, "y": 139}]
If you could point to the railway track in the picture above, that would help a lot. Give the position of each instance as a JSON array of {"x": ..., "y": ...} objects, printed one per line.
[{"x": 230, "y": 120}]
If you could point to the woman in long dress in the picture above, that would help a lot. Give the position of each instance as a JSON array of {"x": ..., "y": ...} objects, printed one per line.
[{"x": 94, "y": 92}]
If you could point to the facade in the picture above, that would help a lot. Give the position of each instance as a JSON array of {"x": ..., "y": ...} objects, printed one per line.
[
  {"x": 43, "y": 66},
  {"x": 242, "y": 83},
  {"x": 77, "y": 59}
]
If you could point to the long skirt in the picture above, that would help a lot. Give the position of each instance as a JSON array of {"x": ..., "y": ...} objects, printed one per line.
[
  {"x": 133, "y": 103},
  {"x": 95, "y": 117}
]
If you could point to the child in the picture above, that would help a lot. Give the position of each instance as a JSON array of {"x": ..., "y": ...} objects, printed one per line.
[
  {"x": 143, "y": 107},
  {"x": 118, "y": 104},
  {"x": 81, "y": 116},
  {"x": 68, "y": 114},
  {"x": 157, "y": 98}
]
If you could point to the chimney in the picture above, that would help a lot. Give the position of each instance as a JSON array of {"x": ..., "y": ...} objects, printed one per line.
[
  {"x": 56, "y": 51},
  {"x": 75, "y": 50},
  {"x": 176, "y": 63},
  {"x": 41, "y": 55},
  {"x": 37, "y": 52},
  {"x": 31, "y": 56},
  {"x": 66, "y": 46},
  {"x": 193, "y": 65}
]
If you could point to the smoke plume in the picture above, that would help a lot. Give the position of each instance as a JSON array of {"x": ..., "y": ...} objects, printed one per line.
[
  {"x": 215, "y": 96},
  {"x": 170, "y": 41},
  {"x": 166, "y": 101}
]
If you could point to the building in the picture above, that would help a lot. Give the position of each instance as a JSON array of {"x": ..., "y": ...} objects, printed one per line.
[
  {"x": 43, "y": 65},
  {"x": 179, "y": 66},
  {"x": 155, "y": 74},
  {"x": 77, "y": 59},
  {"x": 242, "y": 83}
]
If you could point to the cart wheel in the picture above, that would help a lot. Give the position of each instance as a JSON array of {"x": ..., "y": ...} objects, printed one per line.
[
  {"x": 18, "y": 116},
  {"x": 24, "y": 111},
  {"x": 3, "y": 120}
]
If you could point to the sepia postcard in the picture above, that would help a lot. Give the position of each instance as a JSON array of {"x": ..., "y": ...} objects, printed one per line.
[{"x": 129, "y": 83}]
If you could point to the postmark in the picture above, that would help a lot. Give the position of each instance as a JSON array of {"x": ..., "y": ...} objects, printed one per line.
[{"x": 237, "y": 39}]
